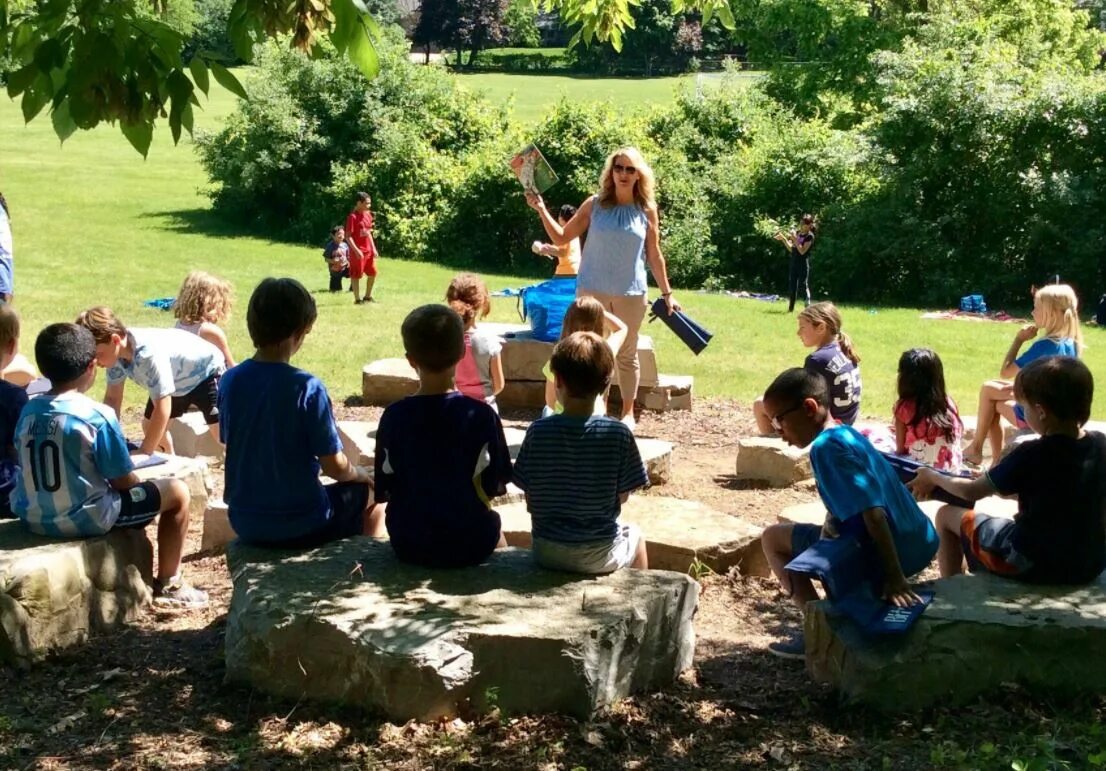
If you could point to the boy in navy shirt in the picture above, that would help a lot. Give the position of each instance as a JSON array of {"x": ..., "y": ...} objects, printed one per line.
[
  {"x": 280, "y": 432},
  {"x": 12, "y": 399},
  {"x": 1059, "y": 533},
  {"x": 862, "y": 493},
  {"x": 440, "y": 455},
  {"x": 578, "y": 469}
]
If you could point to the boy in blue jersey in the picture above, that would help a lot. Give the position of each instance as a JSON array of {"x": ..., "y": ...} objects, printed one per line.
[
  {"x": 862, "y": 493},
  {"x": 279, "y": 429},
  {"x": 177, "y": 368},
  {"x": 593, "y": 456},
  {"x": 440, "y": 455},
  {"x": 12, "y": 400},
  {"x": 76, "y": 478}
]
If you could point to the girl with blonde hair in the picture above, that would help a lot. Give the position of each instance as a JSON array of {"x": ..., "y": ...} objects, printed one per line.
[
  {"x": 586, "y": 314},
  {"x": 623, "y": 234},
  {"x": 203, "y": 303},
  {"x": 1056, "y": 315}
]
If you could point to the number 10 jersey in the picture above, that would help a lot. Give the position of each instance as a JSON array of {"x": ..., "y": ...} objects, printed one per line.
[{"x": 69, "y": 448}]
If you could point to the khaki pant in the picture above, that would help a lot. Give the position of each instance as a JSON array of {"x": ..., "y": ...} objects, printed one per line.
[{"x": 630, "y": 310}]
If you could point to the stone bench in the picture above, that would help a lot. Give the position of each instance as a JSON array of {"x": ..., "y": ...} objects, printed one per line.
[
  {"x": 54, "y": 593},
  {"x": 679, "y": 533},
  {"x": 349, "y": 624},
  {"x": 359, "y": 444},
  {"x": 192, "y": 437},
  {"x": 980, "y": 632},
  {"x": 192, "y": 471},
  {"x": 815, "y": 513},
  {"x": 771, "y": 460}
]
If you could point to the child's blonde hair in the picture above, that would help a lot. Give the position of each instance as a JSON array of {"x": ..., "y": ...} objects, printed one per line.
[
  {"x": 584, "y": 315},
  {"x": 9, "y": 325},
  {"x": 1059, "y": 310},
  {"x": 101, "y": 322},
  {"x": 826, "y": 313},
  {"x": 468, "y": 296},
  {"x": 203, "y": 297}
]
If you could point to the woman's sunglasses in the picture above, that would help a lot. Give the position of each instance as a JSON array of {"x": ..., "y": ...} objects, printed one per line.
[{"x": 624, "y": 169}]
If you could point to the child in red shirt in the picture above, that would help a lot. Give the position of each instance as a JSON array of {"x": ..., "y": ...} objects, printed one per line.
[{"x": 362, "y": 258}]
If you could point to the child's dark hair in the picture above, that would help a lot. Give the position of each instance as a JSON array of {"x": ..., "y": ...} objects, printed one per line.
[
  {"x": 363, "y": 197},
  {"x": 64, "y": 351},
  {"x": 584, "y": 363},
  {"x": 468, "y": 296},
  {"x": 279, "y": 308},
  {"x": 1061, "y": 384},
  {"x": 566, "y": 212},
  {"x": 922, "y": 380},
  {"x": 433, "y": 337},
  {"x": 796, "y": 385},
  {"x": 334, "y": 230}
]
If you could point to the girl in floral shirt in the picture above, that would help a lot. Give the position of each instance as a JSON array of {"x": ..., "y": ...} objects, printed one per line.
[{"x": 927, "y": 425}]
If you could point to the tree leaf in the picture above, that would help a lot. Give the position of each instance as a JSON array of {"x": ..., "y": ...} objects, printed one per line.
[
  {"x": 20, "y": 80},
  {"x": 226, "y": 79},
  {"x": 362, "y": 52},
  {"x": 187, "y": 118},
  {"x": 33, "y": 102},
  {"x": 139, "y": 134},
  {"x": 199, "y": 73},
  {"x": 64, "y": 125}
]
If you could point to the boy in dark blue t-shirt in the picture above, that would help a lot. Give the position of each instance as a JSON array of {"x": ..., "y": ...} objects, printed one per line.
[
  {"x": 440, "y": 455},
  {"x": 280, "y": 432},
  {"x": 862, "y": 493},
  {"x": 12, "y": 400}
]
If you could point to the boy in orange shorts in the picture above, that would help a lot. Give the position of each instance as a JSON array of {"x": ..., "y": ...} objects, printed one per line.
[{"x": 362, "y": 257}]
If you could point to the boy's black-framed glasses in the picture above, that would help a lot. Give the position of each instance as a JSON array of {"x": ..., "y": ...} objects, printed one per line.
[{"x": 777, "y": 418}]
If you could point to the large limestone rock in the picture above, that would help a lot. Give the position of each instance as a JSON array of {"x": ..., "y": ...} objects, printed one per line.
[
  {"x": 771, "y": 460},
  {"x": 192, "y": 471},
  {"x": 350, "y": 624},
  {"x": 388, "y": 380},
  {"x": 54, "y": 593},
  {"x": 528, "y": 394},
  {"x": 192, "y": 437},
  {"x": 980, "y": 632},
  {"x": 218, "y": 531},
  {"x": 815, "y": 513},
  {"x": 524, "y": 357},
  {"x": 669, "y": 392},
  {"x": 678, "y": 534}
]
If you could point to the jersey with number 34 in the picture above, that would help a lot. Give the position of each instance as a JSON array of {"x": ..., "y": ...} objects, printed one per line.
[{"x": 69, "y": 448}]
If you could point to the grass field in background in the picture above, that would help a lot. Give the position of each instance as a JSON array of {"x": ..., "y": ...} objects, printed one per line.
[{"x": 96, "y": 224}]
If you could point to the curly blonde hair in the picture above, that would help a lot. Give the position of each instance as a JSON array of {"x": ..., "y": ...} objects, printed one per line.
[
  {"x": 468, "y": 296},
  {"x": 203, "y": 297},
  {"x": 644, "y": 187}
]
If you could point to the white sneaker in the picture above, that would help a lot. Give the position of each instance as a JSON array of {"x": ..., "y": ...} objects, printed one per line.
[{"x": 630, "y": 422}]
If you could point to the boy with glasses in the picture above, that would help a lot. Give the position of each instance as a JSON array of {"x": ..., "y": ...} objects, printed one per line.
[{"x": 862, "y": 493}]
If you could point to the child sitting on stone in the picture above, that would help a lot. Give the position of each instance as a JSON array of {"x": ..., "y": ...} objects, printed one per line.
[
  {"x": 77, "y": 479},
  {"x": 12, "y": 400},
  {"x": 862, "y": 493},
  {"x": 279, "y": 429},
  {"x": 1059, "y": 533},
  {"x": 578, "y": 468},
  {"x": 440, "y": 456}
]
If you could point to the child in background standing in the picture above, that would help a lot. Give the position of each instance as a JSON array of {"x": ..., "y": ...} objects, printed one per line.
[
  {"x": 336, "y": 255},
  {"x": 927, "y": 424},
  {"x": 1056, "y": 313},
  {"x": 834, "y": 358},
  {"x": 566, "y": 255},
  {"x": 586, "y": 314},
  {"x": 362, "y": 259},
  {"x": 203, "y": 303},
  {"x": 12, "y": 400},
  {"x": 479, "y": 373}
]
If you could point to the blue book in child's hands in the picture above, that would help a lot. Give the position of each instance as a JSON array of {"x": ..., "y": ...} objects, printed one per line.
[{"x": 907, "y": 469}]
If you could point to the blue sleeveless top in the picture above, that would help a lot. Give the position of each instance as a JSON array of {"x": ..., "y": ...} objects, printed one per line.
[{"x": 613, "y": 261}]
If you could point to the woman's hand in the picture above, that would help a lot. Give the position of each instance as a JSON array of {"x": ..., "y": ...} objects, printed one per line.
[
  {"x": 534, "y": 201},
  {"x": 1026, "y": 333},
  {"x": 671, "y": 304}
]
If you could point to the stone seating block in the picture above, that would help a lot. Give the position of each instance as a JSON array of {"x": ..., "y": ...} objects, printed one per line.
[
  {"x": 522, "y": 393},
  {"x": 524, "y": 357},
  {"x": 348, "y": 623},
  {"x": 815, "y": 513},
  {"x": 677, "y": 532},
  {"x": 980, "y": 632},
  {"x": 671, "y": 392},
  {"x": 771, "y": 460},
  {"x": 359, "y": 440},
  {"x": 217, "y": 528},
  {"x": 54, "y": 593},
  {"x": 387, "y": 380},
  {"x": 192, "y": 471},
  {"x": 192, "y": 437}
]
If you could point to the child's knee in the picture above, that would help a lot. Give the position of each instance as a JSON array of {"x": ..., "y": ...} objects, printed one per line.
[
  {"x": 776, "y": 539},
  {"x": 174, "y": 495},
  {"x": 949, "y": 518}
]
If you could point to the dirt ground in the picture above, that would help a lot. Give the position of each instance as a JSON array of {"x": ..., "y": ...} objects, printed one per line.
[{"x": 152, "y": 695}]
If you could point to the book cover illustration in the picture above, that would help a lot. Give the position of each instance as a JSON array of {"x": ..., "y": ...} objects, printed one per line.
[{"x": 533, "y": 171}]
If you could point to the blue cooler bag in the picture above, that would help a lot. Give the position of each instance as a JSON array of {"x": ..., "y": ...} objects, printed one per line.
[{"x": 545, "y": 305}]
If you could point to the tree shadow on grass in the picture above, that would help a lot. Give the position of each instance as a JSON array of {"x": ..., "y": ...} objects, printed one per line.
[{"x": 209, "y": 222}]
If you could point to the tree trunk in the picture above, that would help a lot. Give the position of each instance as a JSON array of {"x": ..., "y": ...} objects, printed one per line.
[{"x": 427, "y": 61}]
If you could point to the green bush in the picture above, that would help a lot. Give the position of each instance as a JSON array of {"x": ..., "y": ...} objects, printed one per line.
[{"x": 523, "y": 60}]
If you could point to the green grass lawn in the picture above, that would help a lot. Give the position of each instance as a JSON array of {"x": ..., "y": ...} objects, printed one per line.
[{"x": 96, "y": 224}]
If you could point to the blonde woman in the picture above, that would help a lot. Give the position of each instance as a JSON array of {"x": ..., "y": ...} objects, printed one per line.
[
  {"x": 1056, "y": 316},
  {"x": 623, "y": 233},
  {"x": 203, "y": 303}
]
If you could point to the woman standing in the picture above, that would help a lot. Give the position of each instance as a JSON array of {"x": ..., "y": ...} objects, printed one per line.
[
  {"x": 7, "y": 269},
  {"x": 798, "y": 244},
  {"x": 623, "y": 233}
]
